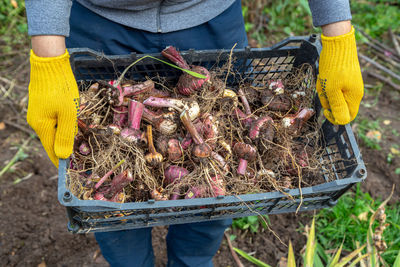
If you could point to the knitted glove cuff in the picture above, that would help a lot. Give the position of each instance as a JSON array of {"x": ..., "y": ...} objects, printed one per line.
[
  {"x": 50, "y": 71},
  {"x": 339, "y": 51},
  {"x": 39, "y": 61}
]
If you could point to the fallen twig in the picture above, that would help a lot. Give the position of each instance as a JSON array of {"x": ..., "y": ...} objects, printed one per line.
[
  {"x": 18, "y": 180},
  {"x": 12, "y": 53},
  {"x": 384, "y": 79},
  {"x": 378, "y": 45},
  {"x": 20, "y": 127},
  {"x": 17, "y": 70},
  {"x": 386, "y": 59},
  {"x": 234, "y": 255},
  {"x": 379, "y": 66},
  {"x": 7, "y": 92},
  {"x": 395, "y": 42},
  {"x": 11, "y": 104},
  {"x": 382, "y": 51},
  {"x": 12, "y": 82}
]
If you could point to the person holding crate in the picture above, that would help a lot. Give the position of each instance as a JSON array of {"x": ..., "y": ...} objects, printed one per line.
[{"x": 122, "y": 27}]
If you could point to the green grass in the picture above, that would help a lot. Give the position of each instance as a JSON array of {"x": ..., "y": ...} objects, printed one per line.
[
  {"x": 251, "y": 223},
  {"x": 289, "y": 17},
  {"x": 13, "y": 26},
  {"x": 376, "y": 16},
  {"x": 347, "y": 222},
  {"x": 277, "y": 20},
  {"x": 280, "y": 19}
]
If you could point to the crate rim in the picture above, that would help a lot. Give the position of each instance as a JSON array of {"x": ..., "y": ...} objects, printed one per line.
[{"x": 311, "y": 39}]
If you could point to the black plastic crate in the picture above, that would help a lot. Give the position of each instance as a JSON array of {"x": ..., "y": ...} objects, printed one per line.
[{"x": 343, "y": 169}]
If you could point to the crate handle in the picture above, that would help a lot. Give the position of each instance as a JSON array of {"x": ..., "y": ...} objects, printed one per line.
[
  {"x": 295, "y": 39},
  {"x": 84, "y": 51}
]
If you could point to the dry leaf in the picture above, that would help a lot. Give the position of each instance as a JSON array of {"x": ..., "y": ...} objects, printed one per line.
[
  {"x": 14, "y": 3},
  {"x": 2, "y": 125},
  {"x": 363, "y": 216},
  {"x": 42, "y": 264},
  {"x": 374, "y": 135},
  {"x": 282, "y": 262},
  {"x": 353, "y": 216},
  {"x": 96, "y": 254},
  {"x": 394, "y": 151}
]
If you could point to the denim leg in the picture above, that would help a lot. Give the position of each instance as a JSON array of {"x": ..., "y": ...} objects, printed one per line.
[
  {"x": 195, "y": 244},
  {"x": 127, "y": 248}
]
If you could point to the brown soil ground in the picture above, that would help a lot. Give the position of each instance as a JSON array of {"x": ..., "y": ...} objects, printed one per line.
[{"x": 33, "y": 225}]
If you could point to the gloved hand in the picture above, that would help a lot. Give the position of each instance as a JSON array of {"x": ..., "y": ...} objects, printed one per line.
[
  {"x": 340, "y": 86},
  {"x": 53, "y": 104}
]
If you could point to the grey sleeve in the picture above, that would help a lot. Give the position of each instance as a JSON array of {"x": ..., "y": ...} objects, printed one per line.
[
  {"x": 48, "y": 17},
  {"x": 329, "y": 11}
]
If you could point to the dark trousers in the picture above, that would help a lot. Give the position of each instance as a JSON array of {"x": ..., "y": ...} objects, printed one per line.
[{"x": 192, "y": 244}]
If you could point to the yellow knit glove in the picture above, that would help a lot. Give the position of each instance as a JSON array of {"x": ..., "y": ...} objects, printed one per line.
[
  {"x": 53, "y": 104},
  {"x": 340, "y": 86}
]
